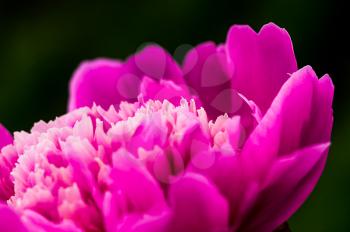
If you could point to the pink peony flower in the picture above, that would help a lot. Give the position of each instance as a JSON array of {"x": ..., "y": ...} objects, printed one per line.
[{"x": 236, "y": 140}]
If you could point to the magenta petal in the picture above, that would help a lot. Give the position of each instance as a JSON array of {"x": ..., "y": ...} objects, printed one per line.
[
  {"x": 193, "y": 144},
  {"x": 286, "y": 123},
  {"x": 153, "y": 61},
  {"x": 152, "y": 89},
  {"x": 288, "y": 184},
  {"x": 5, "y": 137},
  {"x": 320, "y": 130},
  {"x": 147, "y": 135},
  {"x": 36, "y": 222},
  {"x": 9, "y": 220},
  {"x": 147, "y": 223},
  {"x": 197, "y": 205},
  {"x": 146, "y": 206},
  {"x": 108, "y": 82},
  {"x": 8, "y": 158},
  {"x": 130, "y": 176},
  {"x": 207, "y": 73},
  {"x": 262, "y": 61},
  {"x": 153, "y": 224},
  {"x": 239, "y": 105},
  {"x": 100, "y": 81},
  {"x": 226, "y": 174}
]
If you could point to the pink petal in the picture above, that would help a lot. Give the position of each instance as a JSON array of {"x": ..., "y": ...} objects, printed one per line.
[
  {"x": 289, "y": 182},
  {"x": 302, "y": 101},
  {"x": 194, "y": 142},
  {"x": 239, "y": 105},
  {"x": 207, "y": 74},
  {"x": 148, "y": 134},
  {"x": 227, "y": 175},
  {"x": 262, "y": 61},
  {"x": 320, "y": 130},
  {"x": 153, "y": 224},
  {"x": 9, "y": 220},
  {"x": 8, "y": 158},
  {"x": 151, "y": 89},
  {"x": 220, "y": 101},
  {"x": 127, "y": 207},
  {"x": 100, "y": 81},
  {"x": 130, "y": 176},
  {"x": 153, "y": 61},
  {"x": 5, "y": 137},
  {"x": 147, "y": 223},
  {"x": 108, "y": 82},
  {"x": 36, "y": 222},
  {"x": 197, "y": 206},
  {"x": 236, "y": 132}
]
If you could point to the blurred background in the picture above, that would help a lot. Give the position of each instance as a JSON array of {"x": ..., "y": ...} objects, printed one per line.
[{"x": 42, "y": 42}]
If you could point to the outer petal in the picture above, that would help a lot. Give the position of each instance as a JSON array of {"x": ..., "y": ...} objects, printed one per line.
[
  {"x": 108, "y": 82},
  {"x": 289, "y": 182},
  {"x": 9, "y": 220},
  {"x": 8, "y": 158},
  {"x": 302, "y": 101},
  {"x": 153, "y": 61},
  {"x": 5, "y": 137},
  {"x": 206, "y": 71},
  {"x": 320, "y": 129},
  {"x": 262, "y": 61},
  {"x": 97, "y": 82},
  {"x": 197, "y": 206}
]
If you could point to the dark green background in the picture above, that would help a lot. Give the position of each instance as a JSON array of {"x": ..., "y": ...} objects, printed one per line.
[{"x": 41, "y": 43}]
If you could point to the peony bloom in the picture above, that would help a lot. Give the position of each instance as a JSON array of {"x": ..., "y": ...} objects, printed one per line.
[{"x": 235, "y": 140}]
